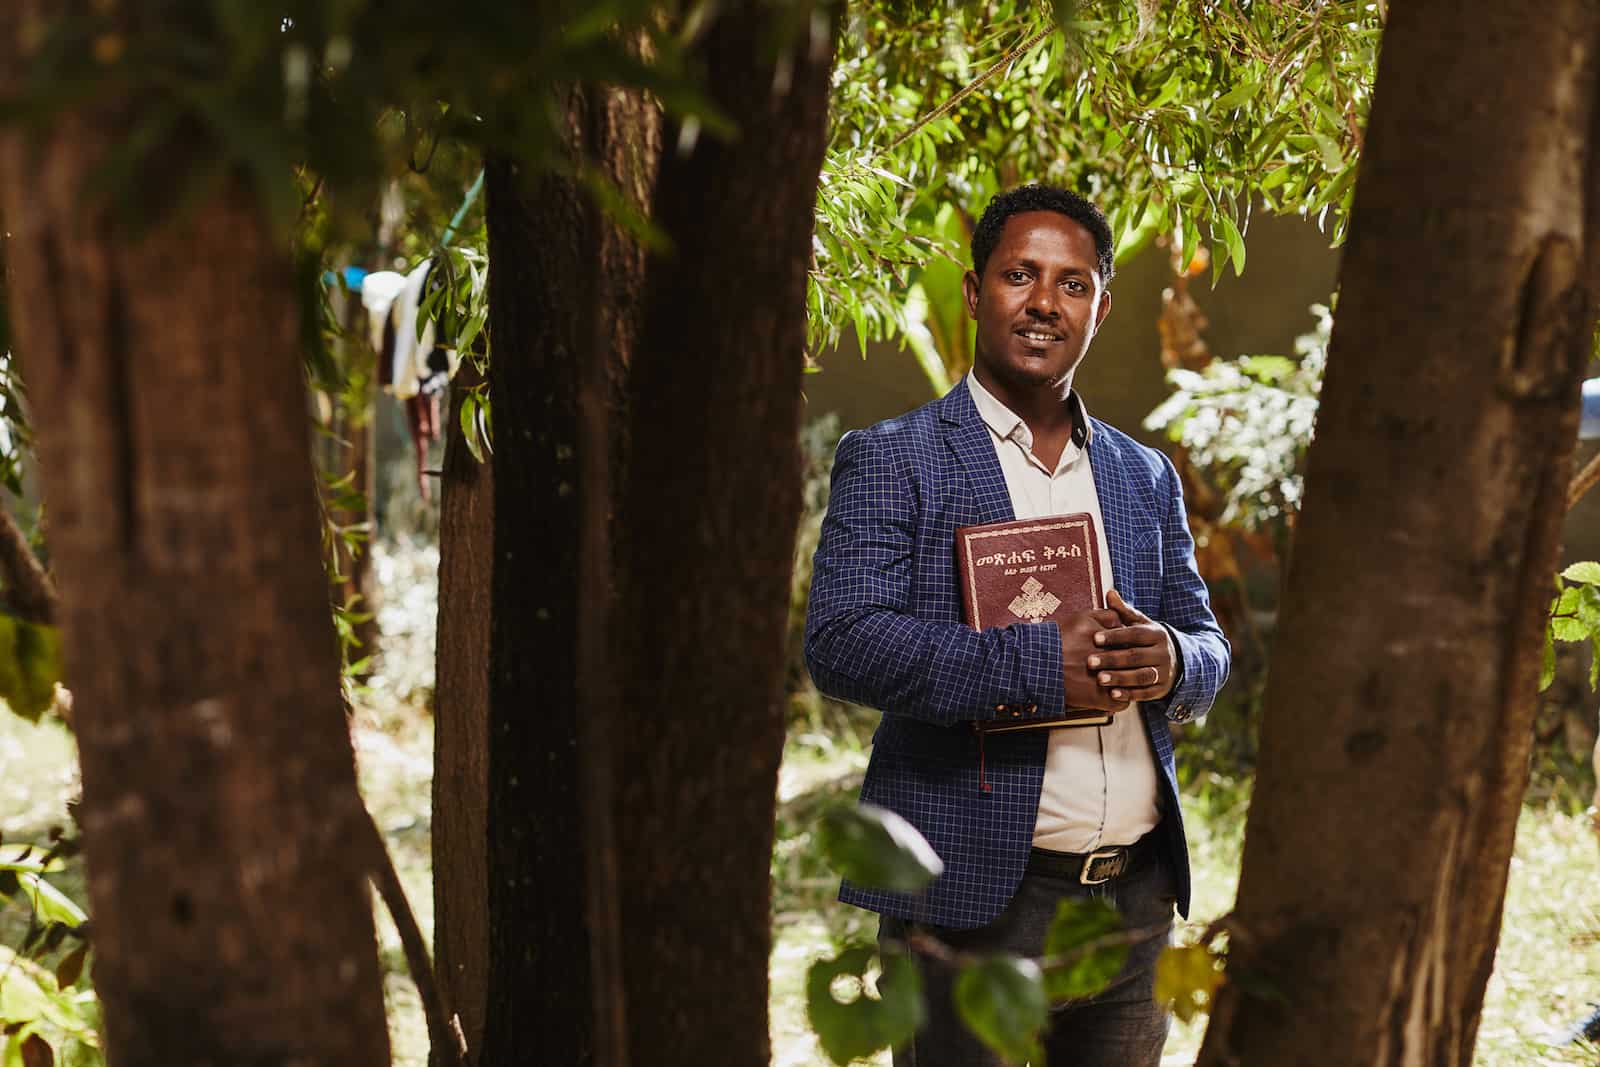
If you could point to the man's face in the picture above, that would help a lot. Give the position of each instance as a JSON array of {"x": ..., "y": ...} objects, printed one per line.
[{"x": 1038, "y": 303}]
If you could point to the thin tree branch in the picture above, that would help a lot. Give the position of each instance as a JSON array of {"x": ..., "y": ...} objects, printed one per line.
[
  {"x": 1583, "y": 481},
  {"x": 444, "y": 1025},
  {"x": 967, "y": 89},
  {"x": 29, "y": 590}
]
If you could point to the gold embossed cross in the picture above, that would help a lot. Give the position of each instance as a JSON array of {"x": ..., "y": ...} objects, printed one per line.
[{"x": 1030, "y": 606}]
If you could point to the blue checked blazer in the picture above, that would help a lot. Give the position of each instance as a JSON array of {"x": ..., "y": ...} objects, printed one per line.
[{"x": 884, "y": 629}]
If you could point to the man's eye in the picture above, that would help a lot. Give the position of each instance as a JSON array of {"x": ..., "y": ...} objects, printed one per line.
[
  {"x": 1076, "y": 287},
  {"x": 1016, "y": 276}
]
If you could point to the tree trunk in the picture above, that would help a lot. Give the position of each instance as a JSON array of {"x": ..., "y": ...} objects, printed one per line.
[
  {"x": 461, "y": 723},
  {"x": 220, "y": 815},
  {"x": 564, "y": 282},
  {"x": 1394, "y": 752},
  {"x": 711, "y": 504}
]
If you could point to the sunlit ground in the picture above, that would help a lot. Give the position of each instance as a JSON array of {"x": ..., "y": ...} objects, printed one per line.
[{"x": 1547, "y": 975}]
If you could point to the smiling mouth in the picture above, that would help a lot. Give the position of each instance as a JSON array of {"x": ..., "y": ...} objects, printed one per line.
[{"x": 1040, "y": 336}]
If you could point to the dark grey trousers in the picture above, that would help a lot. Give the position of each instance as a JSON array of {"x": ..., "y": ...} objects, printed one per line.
[{"x": 1122, "y": 1027}]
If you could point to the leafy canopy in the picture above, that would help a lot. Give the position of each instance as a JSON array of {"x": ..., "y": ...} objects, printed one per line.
[{"x": 1175, "y": 118}]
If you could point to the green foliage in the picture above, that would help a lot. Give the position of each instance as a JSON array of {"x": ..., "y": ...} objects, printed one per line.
[
  {"x": 1187, "y": 977},
  {"x": 458, "y": 303},
  {"x": 1574, "y": 617},
  {"x": 30, "y": 665},
  {"x": 45, "y": 1007},
  {"x": 16, "y": 435},
  {"x": 1083, "y": 951},
  {"x": 861, "y": 1023},
  {"x": 1002, "y": 1000},
  {"x": 310, "y": 84},
  {"x": 1246, "y": 423},
  {"x": 1174, "y": 119},
  {"x": 877, "y": 849}
]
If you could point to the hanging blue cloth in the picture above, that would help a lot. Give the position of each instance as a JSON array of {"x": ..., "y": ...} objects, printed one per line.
[{"x": 352, "y": 276}]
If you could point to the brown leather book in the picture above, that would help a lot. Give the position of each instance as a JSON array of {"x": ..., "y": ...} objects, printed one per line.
[{"x": 1028, "y": 571}]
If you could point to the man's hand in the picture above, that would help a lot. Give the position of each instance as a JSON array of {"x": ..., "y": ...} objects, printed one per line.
[
  {"x": 1134, "y": 660},
  {"x": 1077, "y": 645}
]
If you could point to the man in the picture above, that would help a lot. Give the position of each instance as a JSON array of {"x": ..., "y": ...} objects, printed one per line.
[{"x": 1038, "y": 815}]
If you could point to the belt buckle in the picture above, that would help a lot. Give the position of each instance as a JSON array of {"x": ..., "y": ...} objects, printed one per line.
[{"x": 1102, "y": 854}]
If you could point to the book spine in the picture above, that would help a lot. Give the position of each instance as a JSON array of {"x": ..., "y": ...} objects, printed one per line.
[{"x": 964, "y": 575}]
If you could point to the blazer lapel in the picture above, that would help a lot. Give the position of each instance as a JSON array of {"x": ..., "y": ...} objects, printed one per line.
[
  {"x": 1115, "y": 511},
  {"x": 969, "y": 439}
]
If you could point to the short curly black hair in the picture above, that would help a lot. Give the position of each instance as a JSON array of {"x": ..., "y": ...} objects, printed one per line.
[{"x": 1043, "y": 198}]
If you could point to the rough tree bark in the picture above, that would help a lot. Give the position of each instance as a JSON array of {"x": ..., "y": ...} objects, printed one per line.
[
  {"x": 632, "y": 751},
  {"x": 220, "y": 816},
  {"x": 461, "y": 718},
  {"x": 533, "y": 972},
  {"x": 1394, "y": 752},
  {"x": 710, "y": 507}
]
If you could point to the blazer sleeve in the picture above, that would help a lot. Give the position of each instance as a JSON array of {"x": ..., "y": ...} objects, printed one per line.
[
  {"x": 1203, "y": 650},
  {"x": 864, "y": 642}
]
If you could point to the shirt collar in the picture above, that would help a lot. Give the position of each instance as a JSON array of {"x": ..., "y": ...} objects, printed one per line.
[{"x": 1007, "y": 424}]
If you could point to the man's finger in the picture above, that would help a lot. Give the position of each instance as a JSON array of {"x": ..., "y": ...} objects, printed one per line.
[
  {"x": 1130, "y": 636},
  {"x": 1105, "y": 617},
  {"x": 1128, "y": 613},
  {"x": 1121, "y": 659},
  {"x": 1134, "y": 678},
  {"x": 1149, "y": 692}
]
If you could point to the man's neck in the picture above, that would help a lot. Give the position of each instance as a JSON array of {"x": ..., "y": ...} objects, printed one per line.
[{"x": 1043, "y": 407}]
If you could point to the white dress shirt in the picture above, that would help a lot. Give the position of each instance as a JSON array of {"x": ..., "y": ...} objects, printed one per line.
[{"x": 1099, "y": 782}]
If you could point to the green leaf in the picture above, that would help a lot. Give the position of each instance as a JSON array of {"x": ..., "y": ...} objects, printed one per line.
[
  {"x": 469, "y": 425},
  {"x": 875, "y": 848},
  {"x": 1078, "y": 923},
  {"x": 22, "y": 857},
  {"x": 1186, "y": 978},
  {"x": 1569, "y": 630},
  {"x": 30, "y": 992},
  {"x": 1547, "y": 666},
  {"x": 30, "y": 666},
  {"x": 1586, "y": 572},
  {"x": 864, "y": 1024},
  {"x": 1268, "y": 369},
  {"x": 1594, "y": 664},
  {"x": 1002, "y": 1000},
  {"x": 49, "y": 903},
  {"x": 1589, "y": 607},
  {"x": 1332, "y": 158},
  {"x": 1230, "y": 232},
  {"x": 1239, "y": 94}
]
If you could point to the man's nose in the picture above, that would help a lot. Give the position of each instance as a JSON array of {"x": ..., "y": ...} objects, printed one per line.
[{"x": 1042, "y": 301}]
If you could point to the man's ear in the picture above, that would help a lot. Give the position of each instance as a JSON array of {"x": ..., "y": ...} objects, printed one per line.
[
  {"x": 1104, "y": 309},
  {"x": 969, "y": 286}
]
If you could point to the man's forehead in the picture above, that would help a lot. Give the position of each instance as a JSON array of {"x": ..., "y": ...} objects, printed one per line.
[
  {"x": 1047, "y": 237},
  {"x": 1046, "y": 227}
]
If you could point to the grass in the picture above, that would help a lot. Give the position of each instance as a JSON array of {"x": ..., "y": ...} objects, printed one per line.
[{"x": 1547, "y": 973}]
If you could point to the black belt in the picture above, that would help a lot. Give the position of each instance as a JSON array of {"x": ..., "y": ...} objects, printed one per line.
[{"x": 1093, "y": 868}]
